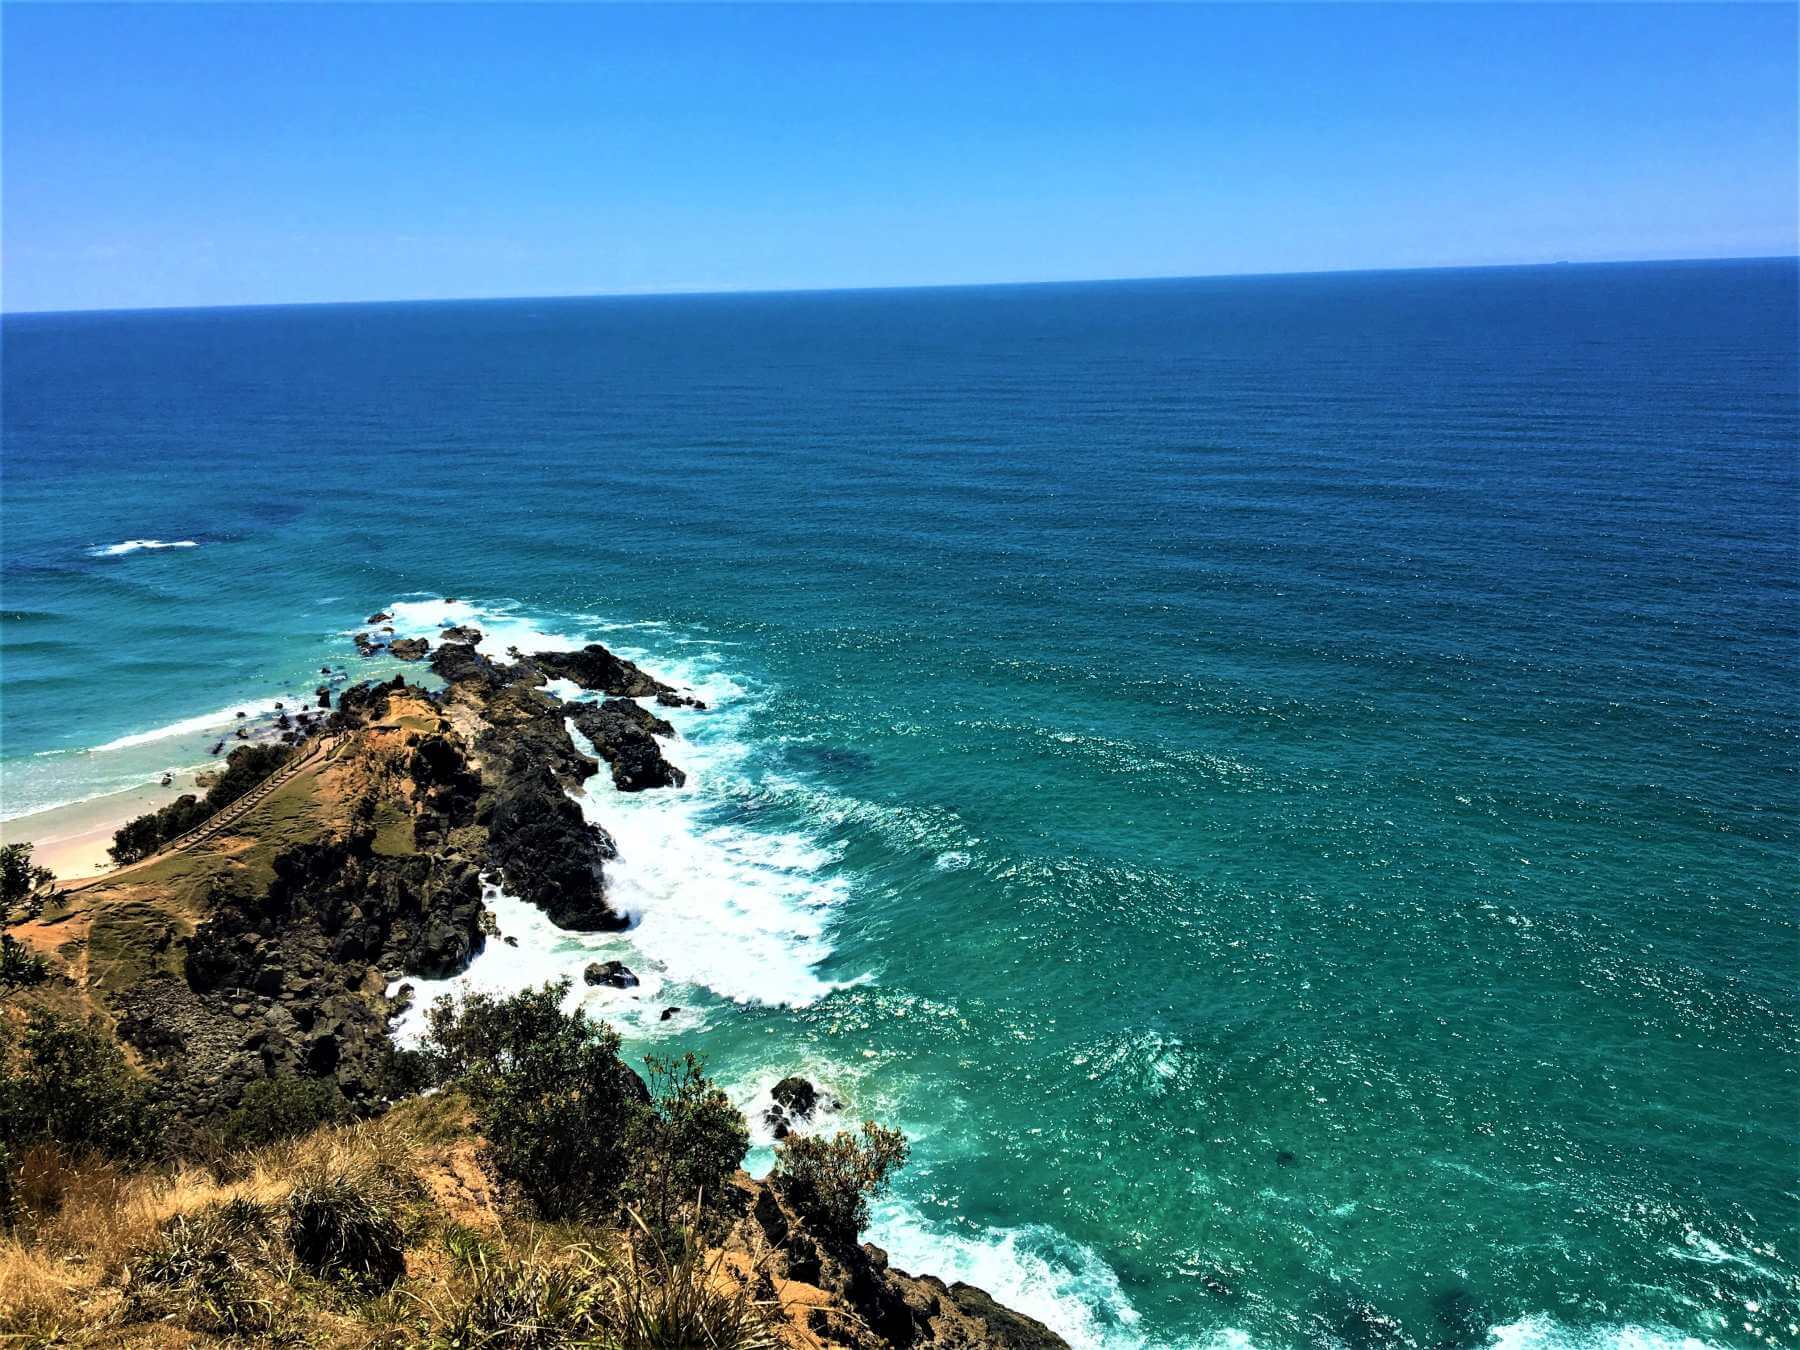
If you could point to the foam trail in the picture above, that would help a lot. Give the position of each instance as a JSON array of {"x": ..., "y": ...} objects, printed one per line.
[
  {"x": 1035, "y": 1269},
  {"x": 224, "y": 717},
  {"x": 133, "y": 545}
]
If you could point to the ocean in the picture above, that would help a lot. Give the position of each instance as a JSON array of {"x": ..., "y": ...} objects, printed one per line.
[{"x": 1284, "y": 787}]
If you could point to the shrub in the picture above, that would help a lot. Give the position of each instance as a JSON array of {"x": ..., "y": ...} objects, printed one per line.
[
  {"x": 280, "y": 1108},
  {"x": 69, "y": 1083},
  {"x": 830, "y": 1181},
  {"x": 24, "y": 886},
  {"x": 348, "y": 1230},
  {"x": 19, "y": 966},
  {"x": 553, "y": 1098},
  {"x": 201, "y": 1271},
  {"x": 686, "y": 1146}
]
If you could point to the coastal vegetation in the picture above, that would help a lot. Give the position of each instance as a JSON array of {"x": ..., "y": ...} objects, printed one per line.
[
  {"x": 207, "y": 1132},
  {"x": 246, "y": 766}
]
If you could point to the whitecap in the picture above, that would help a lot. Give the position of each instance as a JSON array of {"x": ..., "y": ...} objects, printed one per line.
[
  {"x": 133, "y": 545},
  {"x": 502, "y": 625},
  {"x": 1542, "y": 1332}
]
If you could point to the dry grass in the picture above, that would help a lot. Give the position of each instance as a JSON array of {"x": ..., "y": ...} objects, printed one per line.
[{"x": 202, "y": 1256}]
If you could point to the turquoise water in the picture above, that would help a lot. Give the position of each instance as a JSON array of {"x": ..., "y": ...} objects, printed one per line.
[{"x": 1284, "y": 787}]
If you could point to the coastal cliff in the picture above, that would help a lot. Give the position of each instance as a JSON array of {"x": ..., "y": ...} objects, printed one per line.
[{"x": 258, "y": 951}]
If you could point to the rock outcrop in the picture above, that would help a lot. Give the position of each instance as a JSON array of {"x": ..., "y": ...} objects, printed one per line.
[
  {"x": 795, "y": 1101},
  {"x": 870, "y": 1305},
  {"x": 595, "y": 668},
  {"x": 613, "y": 974},
  {"x": 624, "y": 735}
]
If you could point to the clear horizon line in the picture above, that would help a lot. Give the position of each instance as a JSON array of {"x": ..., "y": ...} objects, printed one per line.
[{"x": 899, "y": 286}]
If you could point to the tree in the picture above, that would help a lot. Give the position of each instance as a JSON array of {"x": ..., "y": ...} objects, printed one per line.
[
  {"x": 686, "y": 1145},
  {"x": 831, "y": 1181},
  {"x": 555, "y": 1101},
  {"x": 23, "y": 883}
]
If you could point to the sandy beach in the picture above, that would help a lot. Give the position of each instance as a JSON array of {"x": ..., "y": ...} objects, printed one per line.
[{"x": 72, "y": 840}]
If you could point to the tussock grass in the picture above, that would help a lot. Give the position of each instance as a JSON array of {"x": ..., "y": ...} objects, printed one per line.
[{"x": 362, "y": 1236}]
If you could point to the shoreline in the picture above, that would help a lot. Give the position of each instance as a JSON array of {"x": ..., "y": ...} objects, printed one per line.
[{"x": 72, "y": 839}]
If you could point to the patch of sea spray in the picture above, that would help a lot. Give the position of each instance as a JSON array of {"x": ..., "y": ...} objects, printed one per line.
[
  {"x": 502, "y": 624},
  {"x": 221, "y": 719},
  {"x": 541, "y": 953}
]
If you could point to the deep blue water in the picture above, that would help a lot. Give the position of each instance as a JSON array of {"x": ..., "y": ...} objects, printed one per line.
[{"x": 1285, "y": 787}]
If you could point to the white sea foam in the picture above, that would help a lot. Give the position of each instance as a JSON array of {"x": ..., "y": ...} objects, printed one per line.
[
  {"x": 133, "y": 545},
  {"x": 543, "y": 953},
  {"x": 1542, "y": 1332},
  {"x": 501, "y": 624},
  {"x": 188, "y": 726},
  {"x": 742, "y": 912},
  {"x": 738, "y": 911},
  {"x": 1064, "y": 1284}
]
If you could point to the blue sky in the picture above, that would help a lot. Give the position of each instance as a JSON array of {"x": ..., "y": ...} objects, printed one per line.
[{"x": 223, "y": 154}]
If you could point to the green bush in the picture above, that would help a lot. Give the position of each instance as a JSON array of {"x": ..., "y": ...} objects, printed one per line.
[
  {"x": 554, "y": 1100},
  {"x": 246, "y": 766},
  {"x": 19, "y": 966},
  {"x": 280, "y": 1108},
  {"x": 831, "y": 1181},
  {"x": 67, "y": 1083},
  {"x": 348, "y": 1230},
  {"x": 24, "y": 886},
  {"x": 686, "y": 1145}
]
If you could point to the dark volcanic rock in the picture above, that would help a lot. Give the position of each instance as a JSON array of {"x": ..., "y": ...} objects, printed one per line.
[
  {"x": 379, "y": 616},
  {"x": 459, "y": 633},
  {"x": 409, "y": 649},
  {"x": 795, "y": 1101},
  {"x": 549, "y": 854},
  {"x": 795, "y": 1094},
  {"x": 625, "y": 736},
  {"x": 593, "y": 667},
  {"x": 460, "y": 661},
  {"x": 673, "y": 700},
  {"x": 614, "y": 974},
  {"x": 875, "y": 1305}
]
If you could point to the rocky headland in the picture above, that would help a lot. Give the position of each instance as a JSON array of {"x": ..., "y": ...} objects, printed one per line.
[{"x": 262, "y": 945}]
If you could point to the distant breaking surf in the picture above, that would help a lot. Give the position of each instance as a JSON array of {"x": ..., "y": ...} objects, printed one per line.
[{"x": 133, "y": 545}]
